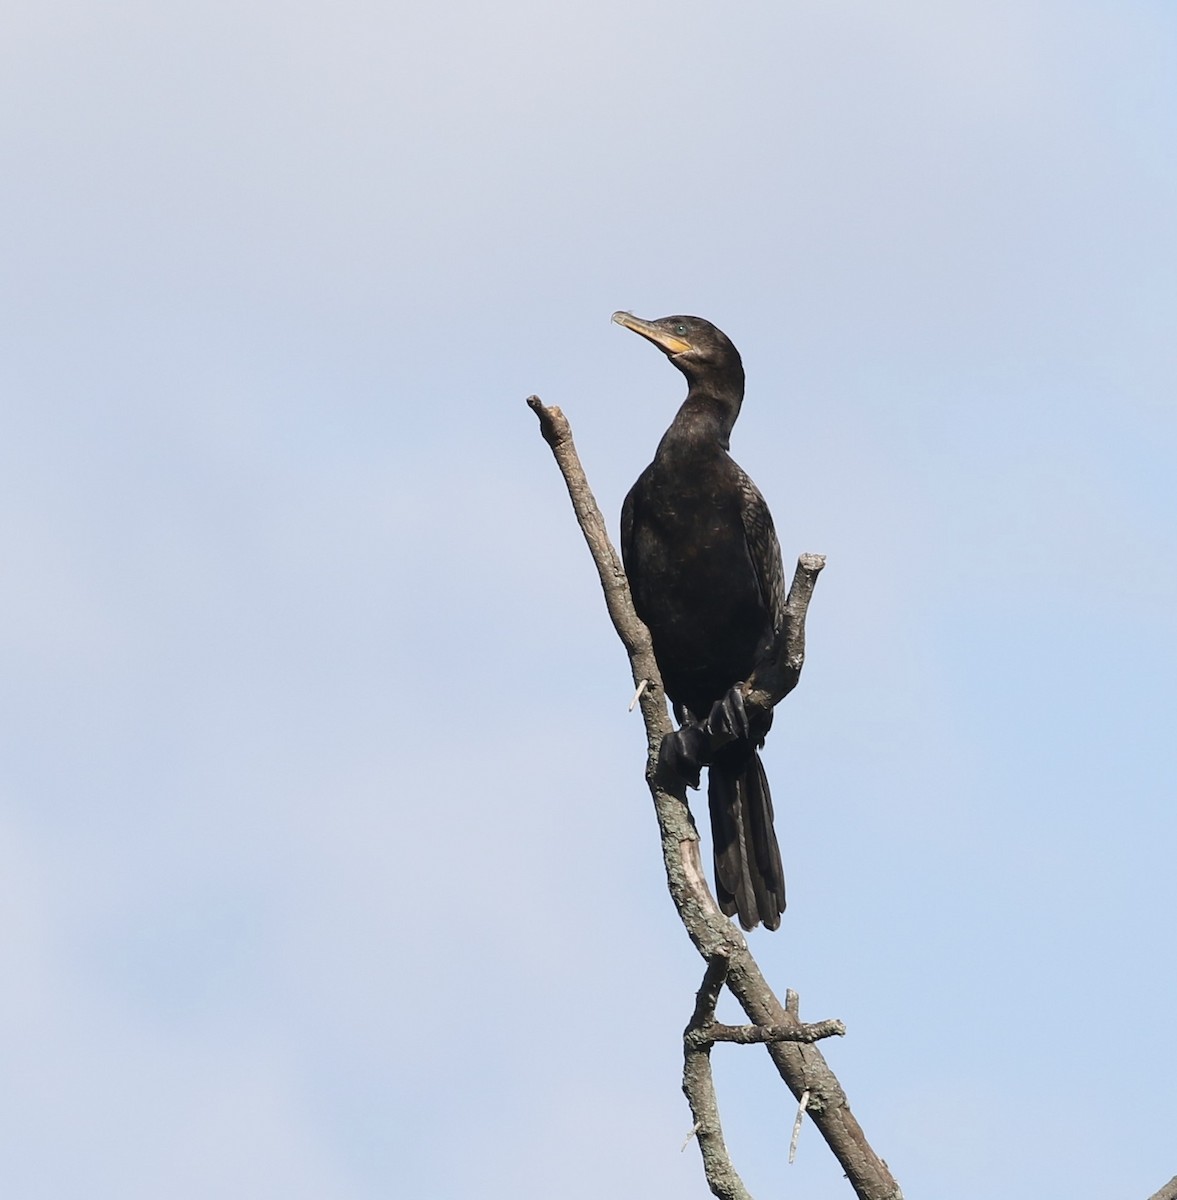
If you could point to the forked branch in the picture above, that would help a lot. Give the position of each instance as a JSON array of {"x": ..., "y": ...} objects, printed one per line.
[{"x": 799, "y": 1062}]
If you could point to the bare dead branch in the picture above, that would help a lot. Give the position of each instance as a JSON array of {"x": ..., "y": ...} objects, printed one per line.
[
  {"x": 1168, "y": 1192},
  {"x": 774, "y": 678},
  {"x": 800, "y": 1065},
  {"x": 707, "y": 996},
  {"x": 698, "y": 1085},
  {"x": 757, "y": 1035}
]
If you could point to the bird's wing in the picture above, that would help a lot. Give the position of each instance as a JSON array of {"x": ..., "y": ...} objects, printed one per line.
[{"x": 763, "y": 549}]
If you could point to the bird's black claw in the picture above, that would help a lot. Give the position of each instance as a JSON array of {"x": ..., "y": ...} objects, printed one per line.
[
  {"x": 728, "y": 718},
  {"x": 683, "y": 752}
]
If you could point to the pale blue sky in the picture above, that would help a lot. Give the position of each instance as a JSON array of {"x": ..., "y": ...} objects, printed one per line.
[{"x": 326, "y": 864}]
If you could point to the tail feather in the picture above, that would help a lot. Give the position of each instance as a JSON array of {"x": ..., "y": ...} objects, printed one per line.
[{"x": 749, "y": 878}]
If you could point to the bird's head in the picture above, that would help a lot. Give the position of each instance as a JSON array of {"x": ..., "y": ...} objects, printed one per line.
[{"x": 696, "y": 347}]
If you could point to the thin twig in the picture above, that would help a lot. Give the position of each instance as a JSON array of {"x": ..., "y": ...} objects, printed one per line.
[
  {"x": 756, "y": 1035},
  {"x": 797, "y": 1127}
]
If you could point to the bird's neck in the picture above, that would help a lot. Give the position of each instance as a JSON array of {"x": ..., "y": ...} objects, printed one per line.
[{"x": 705, "y": 420}]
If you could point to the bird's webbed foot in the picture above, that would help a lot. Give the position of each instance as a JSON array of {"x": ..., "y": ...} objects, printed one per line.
[
  {"x": 728, "y": 719},
  {"x": 684, "y": 752}
]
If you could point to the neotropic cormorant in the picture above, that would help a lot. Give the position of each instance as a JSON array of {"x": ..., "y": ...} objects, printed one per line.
[{"x": 704, "y": 567}]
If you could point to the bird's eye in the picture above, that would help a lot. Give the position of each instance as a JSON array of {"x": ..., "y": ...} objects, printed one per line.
[{"x": 680, "y": 328}]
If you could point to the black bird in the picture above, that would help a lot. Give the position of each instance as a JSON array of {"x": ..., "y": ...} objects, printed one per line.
[{"x": 704, "y": 566}]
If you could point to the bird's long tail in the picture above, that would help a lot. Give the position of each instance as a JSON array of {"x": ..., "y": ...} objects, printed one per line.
[{"x": 749, "y": 879}]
